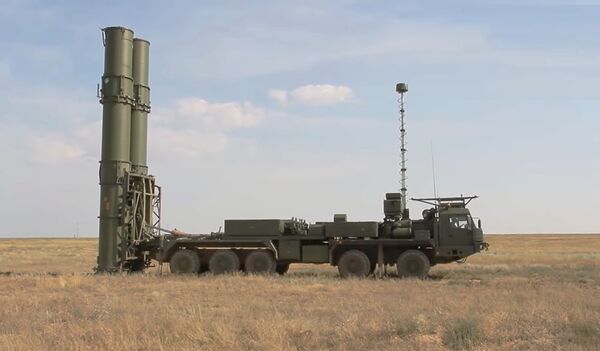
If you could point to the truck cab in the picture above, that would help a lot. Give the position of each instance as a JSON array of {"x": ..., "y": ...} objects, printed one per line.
[{"x": 455, "y": 233}]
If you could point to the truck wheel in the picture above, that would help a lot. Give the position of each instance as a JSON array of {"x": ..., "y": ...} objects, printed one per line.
[
  {"x": 224, "y": 261},
  {"x": 260, "y": 262},
  {"x": 413, "y": 263},
  {"x": 354, "y": 263},
  {"x": 184, "y": 262},
  {"x": 282, "y": 268}
]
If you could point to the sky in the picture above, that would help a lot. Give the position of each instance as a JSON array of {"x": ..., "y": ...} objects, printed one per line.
[{"x": 280, "y": 109}]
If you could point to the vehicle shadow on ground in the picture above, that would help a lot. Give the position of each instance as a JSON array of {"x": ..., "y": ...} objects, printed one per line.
[
  {"x": 30, "y": 274},
  {"x": 393, "y": 276},
  {"x": 390, "y": 275}
]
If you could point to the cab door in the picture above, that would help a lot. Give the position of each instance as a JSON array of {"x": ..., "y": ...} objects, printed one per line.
[{"x": 456, "y": 229}]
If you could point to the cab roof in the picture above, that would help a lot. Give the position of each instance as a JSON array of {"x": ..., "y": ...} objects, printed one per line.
[{"x": 447, "y": 202}]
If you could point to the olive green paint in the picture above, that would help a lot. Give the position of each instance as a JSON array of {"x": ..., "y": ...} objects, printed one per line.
[
  {"x": 129, "y": 218},
  {"x": 289, "y": 249},
  {"x": 139, "y": 112},
  {"x": 254, "y": 227},
  {"x": 315, "y": 253},
  {"x": 117, "y": 98}
]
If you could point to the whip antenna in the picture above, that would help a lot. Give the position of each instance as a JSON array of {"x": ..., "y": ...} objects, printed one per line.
[
  {"x": 435, "y": 193},
  {"x": 402, "y": 88}
]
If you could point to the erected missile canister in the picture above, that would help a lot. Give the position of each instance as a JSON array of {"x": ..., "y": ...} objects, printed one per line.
[
  {"x": 139, "y": 113},
  {"x": 117, "y": 99}
]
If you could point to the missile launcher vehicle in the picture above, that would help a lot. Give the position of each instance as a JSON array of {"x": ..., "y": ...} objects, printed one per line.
[
  {"x": 131, "y": 238},
  {"x": 446, "y": 233}
]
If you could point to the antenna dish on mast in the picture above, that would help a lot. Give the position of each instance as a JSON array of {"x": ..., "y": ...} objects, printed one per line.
[{"x": 401, "y": 88}]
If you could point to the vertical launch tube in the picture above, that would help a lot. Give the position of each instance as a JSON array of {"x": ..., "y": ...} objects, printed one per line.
[
  {"x": 117, "y": 98},
  {"x": 139, "y": 113}
]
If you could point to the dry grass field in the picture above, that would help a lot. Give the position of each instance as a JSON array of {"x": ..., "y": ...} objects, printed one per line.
[{"x": 536, "y": 292}]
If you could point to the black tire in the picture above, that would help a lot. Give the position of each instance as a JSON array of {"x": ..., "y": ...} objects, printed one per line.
[
  {"x": 184, "y": 262},
  {"x": 260, "y": 262},
  {"x": 223, "y": 262},
  {"x": 413, "y": 263},
  {"x": 354, "y": 264},
  {"x": 282, "y": 268}
]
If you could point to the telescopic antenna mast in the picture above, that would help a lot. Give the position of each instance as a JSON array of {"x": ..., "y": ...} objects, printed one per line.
[{"x": 402, "y": 88}]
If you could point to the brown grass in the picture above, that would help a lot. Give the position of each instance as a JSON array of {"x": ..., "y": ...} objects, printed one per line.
[{"x": 527, "y": 293}]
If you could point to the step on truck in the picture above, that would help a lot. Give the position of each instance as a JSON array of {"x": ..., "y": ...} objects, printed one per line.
[{"x": 446, "y": 233}]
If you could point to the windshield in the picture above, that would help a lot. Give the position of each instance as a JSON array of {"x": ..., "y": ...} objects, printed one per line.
[{"x": 461, "y": 222}]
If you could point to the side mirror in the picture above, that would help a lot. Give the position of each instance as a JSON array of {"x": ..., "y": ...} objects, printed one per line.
[{"x": 479, "y": 223}]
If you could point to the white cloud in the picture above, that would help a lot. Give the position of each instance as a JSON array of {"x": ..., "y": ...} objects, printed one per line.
[
  {"x": 281, "y": 96},
  {"x": 187, "y": 142},
  {"x": 200, "y": 113},
  {"x": 55, "y": 150},
  {"x": 192, "y": 125},
  {"x": 313, "y": 95},
  {"x": 74, "y": 131},
  {"x": 324, "y": 94}
]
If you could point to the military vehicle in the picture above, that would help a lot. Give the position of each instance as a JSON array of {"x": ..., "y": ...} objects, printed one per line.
[{"x": 131, "y": 238}]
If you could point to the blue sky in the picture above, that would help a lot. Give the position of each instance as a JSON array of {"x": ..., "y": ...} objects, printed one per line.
[{"x": 280, "y": 109}]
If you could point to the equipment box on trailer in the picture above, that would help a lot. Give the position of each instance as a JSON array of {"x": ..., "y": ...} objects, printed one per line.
[
  {"x": 351, "y": 229},
  {"x": 254, "y": 227}
]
